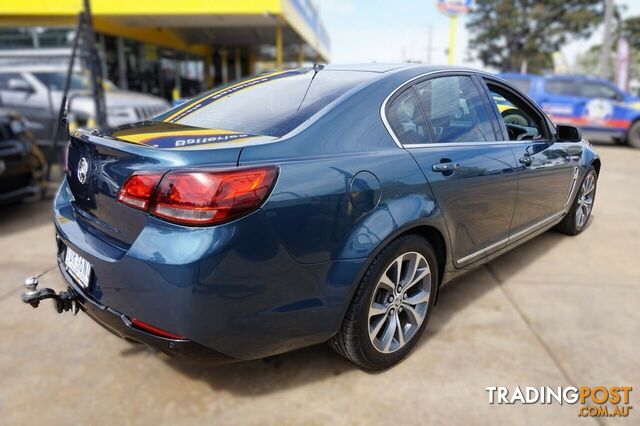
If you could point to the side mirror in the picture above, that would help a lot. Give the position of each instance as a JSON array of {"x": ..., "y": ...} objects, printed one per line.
[
  {"x": 568, "y": 133},
  {"x": 19, "y": 85}
]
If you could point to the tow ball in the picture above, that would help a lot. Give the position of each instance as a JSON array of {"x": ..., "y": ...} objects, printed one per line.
[{"x": 64, "y": 301}]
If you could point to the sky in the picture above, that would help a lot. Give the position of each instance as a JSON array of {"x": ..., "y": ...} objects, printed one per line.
[{"x": 363, "y": 31}]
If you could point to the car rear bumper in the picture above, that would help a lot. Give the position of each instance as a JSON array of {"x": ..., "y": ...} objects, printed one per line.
[
  {"x": 120, "y": 325},
  {"x": 232, "y": 288}
]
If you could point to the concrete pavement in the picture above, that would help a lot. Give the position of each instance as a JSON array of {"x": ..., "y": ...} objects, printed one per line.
[{"x": 556, "y": 311}]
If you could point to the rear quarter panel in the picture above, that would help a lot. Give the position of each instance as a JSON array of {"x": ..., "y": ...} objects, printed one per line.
[{"x": 310, "y": 207}]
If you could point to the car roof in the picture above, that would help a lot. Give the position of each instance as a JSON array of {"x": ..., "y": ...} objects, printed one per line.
[
  {"x": 371, "y": 67},
  {"x": 384, "y": 67}
]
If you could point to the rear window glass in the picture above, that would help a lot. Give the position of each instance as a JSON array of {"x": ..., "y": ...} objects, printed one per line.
[
  {"x": 522, "y": 84},
  {"x": 273, "y": 104},
  {"x": 560, "y": 87}
]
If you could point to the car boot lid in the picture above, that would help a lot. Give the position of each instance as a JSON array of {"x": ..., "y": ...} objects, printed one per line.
[{"x": 158, "y": 134}]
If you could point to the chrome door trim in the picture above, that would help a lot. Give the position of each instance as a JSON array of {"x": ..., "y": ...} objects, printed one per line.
[
  {"x": 513, "y": 237},
  {"x": 481, "y": 251},
  {"x": 576, "y": 172}
]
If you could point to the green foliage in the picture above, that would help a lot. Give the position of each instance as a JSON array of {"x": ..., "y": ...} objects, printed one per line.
[
  {"x": 504, "y": 33},
  {"x": 630, "y": 29}
]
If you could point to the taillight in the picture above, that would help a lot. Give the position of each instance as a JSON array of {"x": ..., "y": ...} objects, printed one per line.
[
  {"x": 138, "y": 189},
  {"x": 199, "y": 197},
  {"x": 155, "y": 330},
  {"x": 206, "y": 197}
]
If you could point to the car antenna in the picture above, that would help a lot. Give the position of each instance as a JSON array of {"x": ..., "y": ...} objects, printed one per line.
[{"x": 316, "y": 69}]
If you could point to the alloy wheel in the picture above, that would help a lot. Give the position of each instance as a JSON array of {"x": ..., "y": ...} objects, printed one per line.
[
  {"x": 399, "y": 304},
  {"x": 585, "y": 200}
]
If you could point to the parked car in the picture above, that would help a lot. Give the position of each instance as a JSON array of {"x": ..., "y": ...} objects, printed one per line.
[
  {"x": 22, "y": 164},
  {"x": 311, "y": 205},
  {"x": 35, "y": 91},
  {"x": 603, "y": 111}
]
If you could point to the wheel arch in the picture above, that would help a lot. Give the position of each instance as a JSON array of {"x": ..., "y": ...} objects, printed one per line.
[
  {"x": 434, "y": 234},
  {"x": 437, "y": 241},
  {"x": 634, "y": 121},
  {"x": 596, "y": 164}
]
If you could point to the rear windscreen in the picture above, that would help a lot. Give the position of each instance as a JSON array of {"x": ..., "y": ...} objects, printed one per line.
[{"x": 273, "y": 104}]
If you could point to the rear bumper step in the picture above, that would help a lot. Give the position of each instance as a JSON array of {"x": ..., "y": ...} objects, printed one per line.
[{"x": 118, "y": 323}]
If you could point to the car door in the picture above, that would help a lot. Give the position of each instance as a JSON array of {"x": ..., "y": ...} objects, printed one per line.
[
  {"x": 559, "y": 98},
  {"x": 603, "y": 107},
  {"x": 546, "y": 171},
  {"x": 444, "y": 123}
]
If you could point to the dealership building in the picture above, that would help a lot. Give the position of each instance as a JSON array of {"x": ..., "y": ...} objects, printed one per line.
[{"x": 171, "y": 48}]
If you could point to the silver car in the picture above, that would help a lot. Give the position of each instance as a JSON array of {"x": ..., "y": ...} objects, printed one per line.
[{"x": 36, "y": 93}]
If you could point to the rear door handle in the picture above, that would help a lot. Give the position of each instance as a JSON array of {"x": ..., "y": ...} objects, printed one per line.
[
  {"x": 445, "y": 168},
  {"x": 526, "y": 160}
]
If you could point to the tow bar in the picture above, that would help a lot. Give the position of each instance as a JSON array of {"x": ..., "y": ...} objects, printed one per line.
[{"x": 64, "y": 301}]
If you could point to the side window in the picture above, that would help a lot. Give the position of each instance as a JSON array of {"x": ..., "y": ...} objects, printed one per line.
[
  {"x": 4, "y": 80},
  {"x": 593, "y": 89},
  {"x": 520, "y": 121},
  {"x": 455, "y": 110},
  {"x": 560, "y": 86},
  {"x": 406, "y": 119}
]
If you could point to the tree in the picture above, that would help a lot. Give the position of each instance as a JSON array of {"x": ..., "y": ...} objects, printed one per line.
[
  {"x": 506, "y": 33},
  {"x": 630, "y": 29}
]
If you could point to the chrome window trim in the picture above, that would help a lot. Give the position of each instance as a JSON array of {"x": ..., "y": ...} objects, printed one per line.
[
  {"x": 511, "y": 238},
  {"x": 454, "y": 144},
  {"x": 453, "y": 71}
]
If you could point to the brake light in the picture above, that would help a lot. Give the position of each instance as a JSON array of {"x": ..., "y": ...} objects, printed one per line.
[
  {"x": 137, "y": 190},
  {"x": 155, "y": 330},
  {"x": 199, "y": 197},
  {"x": 207, "y": 197}
]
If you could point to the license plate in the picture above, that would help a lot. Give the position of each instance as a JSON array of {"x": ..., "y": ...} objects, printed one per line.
[{"x": 78, "y": 267}]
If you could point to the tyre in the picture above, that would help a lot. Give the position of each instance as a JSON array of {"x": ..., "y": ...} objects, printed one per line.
[
  {"x": 391, "y": 305},
  {"x": 633, "y": 138},
  {"x": 577, "y": 217}
]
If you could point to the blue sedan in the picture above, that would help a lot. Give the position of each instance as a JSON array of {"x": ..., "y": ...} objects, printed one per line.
[{"x": 311, "y": 205}]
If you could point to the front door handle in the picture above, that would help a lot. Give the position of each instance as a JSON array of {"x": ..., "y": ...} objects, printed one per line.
[
  {"x": 445, "y": 168},
  {"x": 526, "y": 160}
]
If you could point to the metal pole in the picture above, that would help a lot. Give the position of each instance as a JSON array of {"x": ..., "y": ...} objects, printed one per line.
[
  {"x": 122, "y": 64},
  {"x": 452, "y": 37},
  {"x": 237, "y": 64},
  {"x": 62, "y": 117},
  {"x": 605, "y": 52},
  {"x": 279, "y": 47},
  {"x": 96, "y": 71},
  {"x": 224, "y": 65},
  {"x": 301, "y": 55}
]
